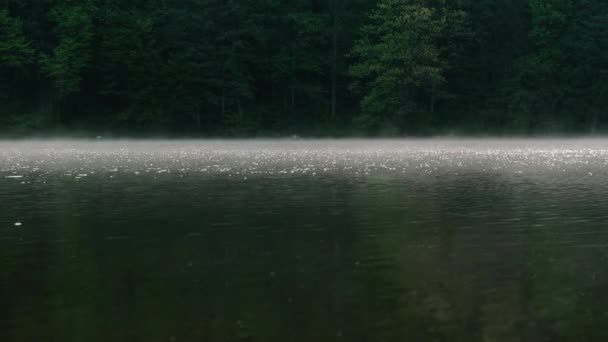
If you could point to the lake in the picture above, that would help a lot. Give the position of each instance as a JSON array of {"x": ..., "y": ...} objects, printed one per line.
[{"x": 304, "y": 240}]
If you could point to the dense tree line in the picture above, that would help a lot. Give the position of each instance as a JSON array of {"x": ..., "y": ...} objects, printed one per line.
[{"x": 333, "y": 66}]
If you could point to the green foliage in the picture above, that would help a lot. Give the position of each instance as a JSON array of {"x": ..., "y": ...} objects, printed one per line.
[
  {"x": 208, "y": 66},
  {"x": 16, "y": 53},
  {"x": 15, "y": 49},
  {"x": 131, "y": 66},
  {"x": 565, "y": 71},
  {"x": 400, "y": 58},
  {"x": 65, "y": 65}
]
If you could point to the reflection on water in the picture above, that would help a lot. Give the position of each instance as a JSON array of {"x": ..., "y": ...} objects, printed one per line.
[{"x": 304, "y": 241}]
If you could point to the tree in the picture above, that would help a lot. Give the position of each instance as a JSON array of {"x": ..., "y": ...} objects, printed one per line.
[
  {"x": 298, "y": 64},
  {"x": 277, "y": 66},
  {"x": 400, "y": 61},
  {"x": 346, "y": 17},
  {"x": 68, "y": 60},
  {"x": 129, "y": 60},
  {"x": 562, "y": 81},
  {"x": 16, "y": 53},
  {"x": 15, "y": 49}
]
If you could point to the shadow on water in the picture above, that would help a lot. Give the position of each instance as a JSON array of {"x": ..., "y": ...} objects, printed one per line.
[{"x": 472, "y": 255}]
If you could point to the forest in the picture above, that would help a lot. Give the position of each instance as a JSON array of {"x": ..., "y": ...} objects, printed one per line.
[{"x": 304, "y": 67}]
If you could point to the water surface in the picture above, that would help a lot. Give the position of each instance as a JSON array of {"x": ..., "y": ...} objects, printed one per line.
[{"x": 270, "y": 240}]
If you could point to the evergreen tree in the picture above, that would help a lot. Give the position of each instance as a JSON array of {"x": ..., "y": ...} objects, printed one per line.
[
  {"x": 66, "y": 64},
  {"x": 16, "y": 52},
  {"x": 561, "y": 82},
  {"x": 266, "y": 66},
  {"x": 401, "y": 64},
  {"x": 15, "y": 49}
]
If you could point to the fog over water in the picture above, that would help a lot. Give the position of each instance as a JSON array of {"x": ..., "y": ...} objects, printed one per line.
[
  {"x": 305, "y": 157},
  {"x": 304, "y": 240}
]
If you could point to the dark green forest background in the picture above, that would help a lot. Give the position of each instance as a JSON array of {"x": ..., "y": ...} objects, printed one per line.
[{"x": 309, "y": 67}]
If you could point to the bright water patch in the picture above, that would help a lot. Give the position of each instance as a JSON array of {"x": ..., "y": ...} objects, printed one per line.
[
  {"x": 315, "y": 157},
  {"x": 324, "y": 240}
]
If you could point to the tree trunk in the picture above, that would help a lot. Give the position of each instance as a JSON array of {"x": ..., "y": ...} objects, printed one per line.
[
  {"x": 198, "y": 118},
  {"x": 334, "y": 60},
  {"x": 240, "y": 110},
  {"x": 223, "y": 103},
  {"x": 293, "y": 99},
  {"x": 432, "y": 101},
  {"x": 55, "y": 107}
]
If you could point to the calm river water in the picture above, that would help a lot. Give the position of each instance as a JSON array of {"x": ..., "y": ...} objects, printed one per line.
[{"x": 324, "y": 240}]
